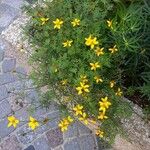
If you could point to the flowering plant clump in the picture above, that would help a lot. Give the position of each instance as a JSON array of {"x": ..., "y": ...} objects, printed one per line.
[{"x": 80, "y": 49}]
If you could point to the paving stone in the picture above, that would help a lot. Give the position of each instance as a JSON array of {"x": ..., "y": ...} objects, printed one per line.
[
  {"x": 10, "y": 144},
  {"x": 4, "y": 130},
  {"x": 7, "y": 78},
  {"x": 55, "y": 119},
  {"x": 15, "y": 86},
  {"x": 8, "y": 65},
  {"x": 58, "y": 148},
  {"x": 22, "y": 115},
  {"x": 55, "y": 137},
  {"x": 1, "y": 53},
  {"x": 72, "y": 131},
  {"x": 2, "y": 47},
  {"x": 72, "y": 145},
  {"x": 5, "y": 108},
  {"x": 32, "y": 96},
  {"x": 83, "y": 129},
  {"x": 87, "y": 142},
  {"x": 7, "y": 15},
  {"x": 51, "y": 124},
  {"x": 26, "y": 135},
  {"x": 21, "y": 71},
  {"x": 14, "y": 3},
  {"x": 41, "y": 144},
  {"x": 3, "y": 92},
  {"x": 31, "y": 147}
]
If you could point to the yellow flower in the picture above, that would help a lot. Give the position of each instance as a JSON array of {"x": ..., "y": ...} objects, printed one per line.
[
  {"x": 69, "y": 119},
  {"x": 99, "y": 51},
  {"x": 44, "y": 20},
  {"x": 100, "y": 133},
  {"x": 78, "y": 110},
  {"x": 102, "y": 116},
  {"x": 84, "y": 118},
  {"x": 63, "y": 125},
  {"x": 119, "y": 92},
  {"x": 57, "y": 23},
  {"x": 33, "y": 123},
  {"x": 113, "y": 50},
  {"x": 110, "y": 23},
  {"x": 94, "y": 66},
  {"x": 112, "y": 83},
  {"x": 75, "y": 22},
  {"x": 98, "y": 79},
  {"x": 91, "y": 41},
  {"x": 82, "y": 88},
  {"x": 67, "y": 43},
  {"x": 12, "y": 121},
  {"x": 104, "y": 104},
  {"x": 83, "y": 78},
  {"x": 64, "y": 82}
]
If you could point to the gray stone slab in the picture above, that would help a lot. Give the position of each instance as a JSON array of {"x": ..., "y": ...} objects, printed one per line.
[
  {"x": 7, "y": 78},
  {"x": 58, "y": 148},
  {"x": 87, "y": 142},
  {"x": 55, "y": 137},
  {"x": 2, "y": 47},
  {"x": 14, "y": 3},
  {"x": 8, "y": 65},
  {"x": 7, "y": 15},
  {"x": 54, "y": 119},
  {"x": 4, "y": 130},
  {"x": 22, "y": 115},
  {"x": 10, "y": 144},
  {"x": 26, "y": 135},
  {"x": 72, "y": 131},
  {"x": 21, "y": 71},
  {"x": 53, "y": 122},
  {"x": 32, "y": 96},
  {"x": 41, "y": 144},
  {"x": 72, "y": 145},
  {"x": 15, "y": 86},
  {"x": 5, "y": 109},
  {"x": 3, "y": 92},
  {"x": 1, "y": 50},
  {"x": 83, "y": 129},
  {"x": 31, "y": 147}
]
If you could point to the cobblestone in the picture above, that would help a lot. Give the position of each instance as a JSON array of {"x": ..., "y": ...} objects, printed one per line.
[
  {"x": 72, "y": 145},
  {"x": 9, "y": 65},
  {"x": 3, "y": 92},
  {"x": 1, "y": 54},
  {"x": 11, "y": 144},
  {"x": 4, "y": 131},
  {"x": 5, "y": 109},
  {"x": 41, "y": 144},
  {"x": 31, "y": 147},
  {"x": 72, "y": 131},
  {"x": 87, "y": 142},
  {"x": 7, "y": 14},
  {"x": 55, "y": 137},
  {"x": 83, "y": 129},
  {"x": 14, "y": 3},
  {"x": 7, "y": 78},
  {"x": 26, "y": 135},
  {"x": 21, "y": 71}
]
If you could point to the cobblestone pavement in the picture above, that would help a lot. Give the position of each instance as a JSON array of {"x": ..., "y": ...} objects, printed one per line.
[{"x": 14, "y": 99}]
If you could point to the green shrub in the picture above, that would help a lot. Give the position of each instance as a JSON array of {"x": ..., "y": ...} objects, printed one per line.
[{"x": 85, "y": 62}]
